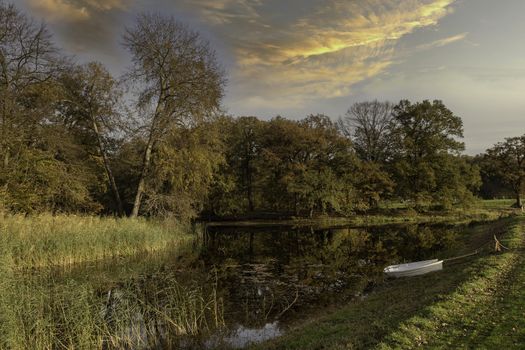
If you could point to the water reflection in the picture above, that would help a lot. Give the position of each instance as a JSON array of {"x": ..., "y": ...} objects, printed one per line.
[
  {"x": 239, "y": 285},
  {"x": 242, "y": 336},
  {"x": 269, "y": 274}
]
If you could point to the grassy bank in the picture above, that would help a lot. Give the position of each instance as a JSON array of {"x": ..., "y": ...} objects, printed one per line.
[
  {"x": 81, "y": 309},
  {"x": 46, "y": 240},
  {"x": 475, "y": 303},
  {"x": 485, "y": 312},
  {"x": 483, "y": 210}
]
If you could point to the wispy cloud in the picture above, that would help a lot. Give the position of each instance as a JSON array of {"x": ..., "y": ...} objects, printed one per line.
[
  {"x": 443, "y": 42},
  {"x": 59, "y": 10},
  {"x": 285, "y": 52},
  {"x": 72, "y": 10},
  {"x": 313, "y": 49}
]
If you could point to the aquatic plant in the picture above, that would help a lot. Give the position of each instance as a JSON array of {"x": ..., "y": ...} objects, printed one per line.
[
  {"x": 43, "y": 312},
  {"x": 42, "y": 306},
  {"x": 46, "y": 240}
]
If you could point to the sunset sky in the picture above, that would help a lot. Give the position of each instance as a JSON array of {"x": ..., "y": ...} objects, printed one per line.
[{"x": 298, "y": 57}]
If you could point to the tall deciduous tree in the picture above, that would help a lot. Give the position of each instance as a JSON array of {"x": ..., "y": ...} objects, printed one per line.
[
  {"x": 41, "y": 167},
  {"x": 507, "y": 161},
  {"x": 424, "y": 133},
  {"x": 91, "y": 100},
  {"x": 304, "y": 166},
  {"x": 368, "y": 125},
  {"x": 244, "y": 152},
  {"x": 183, "y": 169},
  {"x": 178, "y": 77},
  {"x": 28, "y": 60}
]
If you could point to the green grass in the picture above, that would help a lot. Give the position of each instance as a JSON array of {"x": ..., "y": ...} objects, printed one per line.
[
  {"x": 476, "y": 303},
  {"x": 479, "y": 203},
  {"x": 45, "y": 240},
  {"x": 43, "y": 309},
  {"x": 394, "y": 213},
  {"x": 485, "y": 312},
  {"x": 496, "y": 203}
]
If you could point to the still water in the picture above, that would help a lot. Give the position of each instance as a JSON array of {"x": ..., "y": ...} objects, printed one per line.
[
  {"x": 272, "y": 276},
  {"x": 239, "y": 285}
]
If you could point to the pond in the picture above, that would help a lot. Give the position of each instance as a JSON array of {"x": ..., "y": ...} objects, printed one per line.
[
  {"x": 236, "y": 285},
  {"x": 272, "y": 276}
]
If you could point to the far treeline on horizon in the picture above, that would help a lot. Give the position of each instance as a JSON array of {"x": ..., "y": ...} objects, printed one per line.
[{"x": 155, "y": 141}]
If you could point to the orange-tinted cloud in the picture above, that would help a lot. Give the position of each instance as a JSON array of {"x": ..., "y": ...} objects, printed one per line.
[
  {"x": 59, "y": 9},
  {"x": 284, "y": 51},
  {"x": 72, "y": 10},
  {"x": 443, "y": 42},
  {"x": 314, "y": 49}
]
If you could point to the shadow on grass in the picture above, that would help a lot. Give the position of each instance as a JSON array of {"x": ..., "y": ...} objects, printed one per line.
[{"x": 364, "y": 323}]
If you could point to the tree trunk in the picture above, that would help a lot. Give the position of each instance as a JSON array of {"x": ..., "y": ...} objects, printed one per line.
[
  {"x": 109, "y": 173},
  {"x": 517, "y": 192},
  {"x": 250, "y": 199},
  {"x": 518, "y": 199},
  {"x": 140, "y": 188},
  {"x": 5, "y": 132},
  {"x": 250, "y": 190},
  {"x": 147, "y": 155},
  {"x": 6, "y": 157}
]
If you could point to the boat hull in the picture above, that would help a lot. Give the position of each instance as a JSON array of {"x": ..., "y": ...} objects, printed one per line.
[{"x": 414, "y": 269}]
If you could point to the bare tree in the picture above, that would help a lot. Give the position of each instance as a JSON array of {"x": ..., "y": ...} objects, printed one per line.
[
  {"x": 367, "y": 124},
  {"x": 27, "y": 58},
  {"x": 178, "y": 79}
]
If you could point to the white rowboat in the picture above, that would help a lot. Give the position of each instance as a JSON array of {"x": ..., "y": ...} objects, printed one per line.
[{"x": 414, "y": 269}]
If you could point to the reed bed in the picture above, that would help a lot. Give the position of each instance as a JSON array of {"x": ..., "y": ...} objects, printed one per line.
[
  {"x": 46, "y": 240},
  {"x": 38, "y": 312},
  {"x": 45, "y": 304}
]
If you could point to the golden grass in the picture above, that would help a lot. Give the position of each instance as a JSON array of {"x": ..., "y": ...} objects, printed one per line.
[{"x": 46, "y": 240}]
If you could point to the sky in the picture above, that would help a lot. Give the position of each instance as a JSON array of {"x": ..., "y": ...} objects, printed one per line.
[{"x": 299, "y": 57}]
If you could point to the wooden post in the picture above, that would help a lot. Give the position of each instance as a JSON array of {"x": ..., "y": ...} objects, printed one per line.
[{"x": 499, "y": 247}]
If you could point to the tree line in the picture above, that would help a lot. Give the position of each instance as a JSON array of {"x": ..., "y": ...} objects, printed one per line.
[{"x": 156, "y": 141}]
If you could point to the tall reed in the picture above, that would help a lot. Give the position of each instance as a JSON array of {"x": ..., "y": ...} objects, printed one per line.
[
  {"x": 46, "y": 240},
  {"x": 39, "y": 312},
  {"x": 56, "y": 308}
]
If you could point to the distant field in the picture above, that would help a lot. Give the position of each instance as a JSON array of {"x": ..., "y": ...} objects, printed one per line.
[
  {"x": 482, "y": 203},
  {"x": 392, "y": 213},
  {"x": 496, "y": 203}
]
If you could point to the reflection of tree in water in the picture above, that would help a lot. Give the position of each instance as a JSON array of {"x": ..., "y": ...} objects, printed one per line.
[
  {"x": 264, "y": 272},
  {"x": 249, "y": 277}
]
